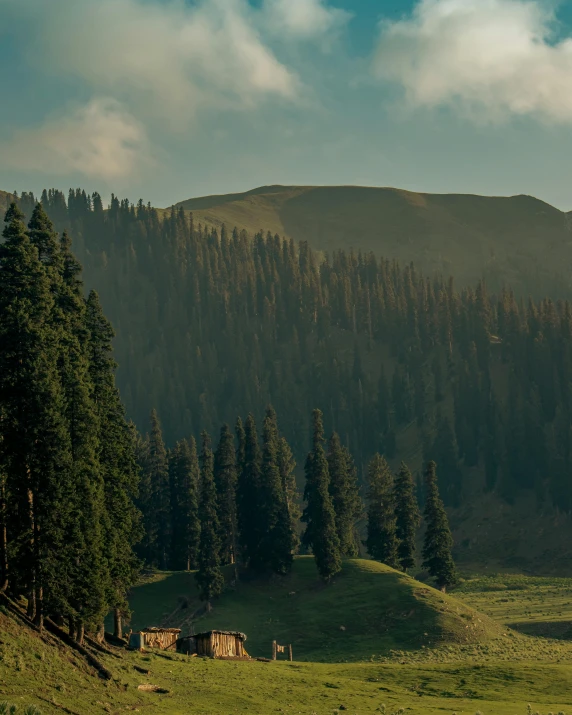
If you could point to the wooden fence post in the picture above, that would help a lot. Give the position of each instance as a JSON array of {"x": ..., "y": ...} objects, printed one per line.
[
  {"x": 290, "y": 652},
  {"x": 273, "y": 650}
]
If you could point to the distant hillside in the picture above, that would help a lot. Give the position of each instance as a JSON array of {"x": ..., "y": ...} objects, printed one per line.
[
  {"x": 518, "y": 240},
  {"x": 5, "y": 199},
  {"x": 368, "y": 609}
]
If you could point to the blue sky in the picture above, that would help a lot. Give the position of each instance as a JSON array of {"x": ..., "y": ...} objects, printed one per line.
[{"x": 166, "y": 99}]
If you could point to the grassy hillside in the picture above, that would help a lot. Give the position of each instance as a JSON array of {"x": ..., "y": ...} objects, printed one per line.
[
  {"x": 539, "y": 606},
  {"x": 519, "y": 239},
  {"x": 50, "y": 679},
  {"x": 495, "y": 673},
  {"x": 368, "y": 611}
]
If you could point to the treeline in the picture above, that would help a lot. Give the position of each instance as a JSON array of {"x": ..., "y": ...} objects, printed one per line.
[
  {"x": 68, "y": 471},
  {"x": 239, "y": 506},
  {"x": 212, "y": 323}
]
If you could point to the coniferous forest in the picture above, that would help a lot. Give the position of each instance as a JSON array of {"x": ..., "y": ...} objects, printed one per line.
[
  {"x": 214, "y": 325},
  {"x": 212, "y": 329},
  {"x": 85, "y": 501}
]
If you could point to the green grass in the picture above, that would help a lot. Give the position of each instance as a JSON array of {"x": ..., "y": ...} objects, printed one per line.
[
  {"x": 367, "y": 611},
  {"x": 466, "y": 663},
  {"x": 205, "y": 687},
  {"x": 540, "y": 606}
]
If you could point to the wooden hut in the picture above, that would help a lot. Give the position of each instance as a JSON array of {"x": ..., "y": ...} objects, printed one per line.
[
  {"x": 161, "y": 638},
  {"x": 215, "y": 644}
]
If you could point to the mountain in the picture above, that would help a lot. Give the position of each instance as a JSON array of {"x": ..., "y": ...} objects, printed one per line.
[
  {"x": 518, "y": 240},
  {"x": 211, "y": 325}
]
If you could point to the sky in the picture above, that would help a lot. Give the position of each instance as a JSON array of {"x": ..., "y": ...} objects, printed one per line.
[{"x": 169, "y": 99}]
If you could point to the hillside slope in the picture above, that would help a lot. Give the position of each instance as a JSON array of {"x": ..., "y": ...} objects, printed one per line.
[
  {"x": 35, "y": 672},
  {"x": 5, "y": 199},
  {"x": 518, "y": 240},
  {"x": 369, "y": 609}
]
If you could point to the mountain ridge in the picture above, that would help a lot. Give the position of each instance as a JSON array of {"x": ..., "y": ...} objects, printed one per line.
[{"x": 518, "y": 240}]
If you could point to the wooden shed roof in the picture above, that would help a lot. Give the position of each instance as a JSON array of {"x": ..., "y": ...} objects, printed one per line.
[{"x": 154, "y": 629}]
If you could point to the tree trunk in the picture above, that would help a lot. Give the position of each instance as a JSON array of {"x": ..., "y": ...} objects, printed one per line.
[
  {"x": 80, "y": 633},
  {"x": 117, "y": 624},
  {"x": 71, "y": 627},
  {"x": 39, "y": 615},
  {"x": 31, "y": 610},
  {"x": 100, "y": 633},
  {"x": 3, "y": 539}
]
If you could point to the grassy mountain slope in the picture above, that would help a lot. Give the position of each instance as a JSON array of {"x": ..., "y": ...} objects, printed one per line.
[
  {"x": 48, "y": 676},
  {"x": 520, "y": 240},
  {"x": 369, "y": 609},
  {"x": 494, "y": 672},
  {"x": 539, "y": 606}
]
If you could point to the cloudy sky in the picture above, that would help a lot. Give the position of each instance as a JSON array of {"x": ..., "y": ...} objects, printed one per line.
[{"x": 168, "y": 99}]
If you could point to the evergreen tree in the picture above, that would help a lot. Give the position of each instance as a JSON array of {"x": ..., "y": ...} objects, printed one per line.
[
  {"x": 90, "y": 576},
  {"x": 226, "y": 482},
  {"x": 209, "y": 576},
  {"x": 381, "y": 542},
  {"x": 277, "y": 538},
  {"x": 437, "y": 557},
  {"x": 184, "y": 477},
  {"x": 345, "y": 495},
  {"x": 35, "y": 444},
  {"x": 407, "y": 517},
  {"x": 319, "y": 516},
  {"x": 158, "y": 523},
  {"x": 248, "y": 492},
  {"x": 287, "y": 466}
]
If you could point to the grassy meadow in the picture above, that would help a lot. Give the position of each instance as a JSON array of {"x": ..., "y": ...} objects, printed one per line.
[{"x": 374, "y": 641}]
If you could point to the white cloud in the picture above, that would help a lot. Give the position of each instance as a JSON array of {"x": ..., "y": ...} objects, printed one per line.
[
  {"x": 167, "y": 60},
  {"x": 100, "y": 140},
  {"x": 489, "y": 58},
  {"x": 304, "y": 19}
]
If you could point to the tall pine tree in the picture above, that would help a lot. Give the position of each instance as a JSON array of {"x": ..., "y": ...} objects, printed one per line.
[
  {"x": 438, "y": 544},
  {"x": 184, "y": 476},
  {"x": 407, "y": 517},
  {"x": 320, "y": 534},
  {"x": 248, "y": 494},
  {"x": 35, "y": 444},
  {"x": 345, "y": 495},
  {"x": 209, "y": 575},
  {"x": 226, "y": 481},
  {"x": 277, "y": 538},
  {"x": 381, "y": 539}
]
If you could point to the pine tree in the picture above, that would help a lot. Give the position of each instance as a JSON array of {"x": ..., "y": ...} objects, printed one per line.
[
  {"x": 437, "y": 557},
  {"x": 248, "y": 493},
  {"x": 287, "y": 466},
  {"x": 90, "y": 579},
  {"x": 209, "y": 576},
  {"x": 184, "y": 477},
  {"x": 345, "y": 495},
  {"x": 226, "y": 483},
  {"x": 35, "y": 444},
  {"x": 320, "y": 533},
  {"x": 157, "y": 518},
  {"x": 407, "y": 517},
  {"x": 381, "y": 542},
  {"x": 277, "y": 537}
]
